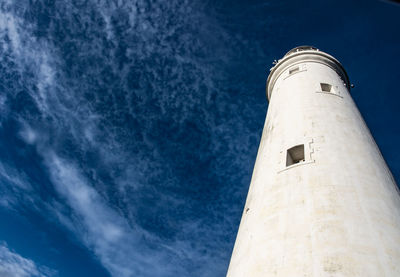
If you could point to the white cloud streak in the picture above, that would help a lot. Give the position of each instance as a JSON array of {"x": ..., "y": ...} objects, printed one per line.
[
  {"x": 14, "y": 265},
  {"x": 14, "y": 187},
  {"x": 120, "y": 243},
  {"x": 102, "y": 229}
]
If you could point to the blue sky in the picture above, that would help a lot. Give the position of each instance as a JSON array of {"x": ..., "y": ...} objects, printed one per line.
[{"x": 129, "y": 129}]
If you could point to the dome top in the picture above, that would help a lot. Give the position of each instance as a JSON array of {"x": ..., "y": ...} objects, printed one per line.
[
  {"x": 303, "y": 54},
  {"x": 301, "y": 48}
]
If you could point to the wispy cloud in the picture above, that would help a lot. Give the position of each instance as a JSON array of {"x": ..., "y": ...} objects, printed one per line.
[
  {"x": 127, "y": 126},
  {"x": 115, "y": 242},
  {"x": 14, "y": 187},
  {"x": 14, "y": 265}
]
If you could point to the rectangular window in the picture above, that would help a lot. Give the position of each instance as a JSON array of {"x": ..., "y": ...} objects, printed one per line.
[
  {"x": 295, "y": 155},
  {"x": 326, "y": 87},
  {"x": 294, "y": 70}
]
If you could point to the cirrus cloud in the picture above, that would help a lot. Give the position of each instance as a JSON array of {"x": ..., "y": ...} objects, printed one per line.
[{"x": 14, "y": 265}]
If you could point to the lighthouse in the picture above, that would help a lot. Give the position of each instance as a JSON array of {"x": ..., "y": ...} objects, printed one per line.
[{"x": 322, "y": 201}]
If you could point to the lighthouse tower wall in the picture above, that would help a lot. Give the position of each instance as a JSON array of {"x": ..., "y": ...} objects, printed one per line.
[{"x": 322, "y": 201}]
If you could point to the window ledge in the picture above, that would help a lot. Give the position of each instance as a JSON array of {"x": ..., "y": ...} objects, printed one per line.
[
  {"x": 298, "y": 164},
  {"x": 331, "y": 93}
]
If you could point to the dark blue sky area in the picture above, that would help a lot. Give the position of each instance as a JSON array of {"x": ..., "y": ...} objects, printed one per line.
[{"x": 129, "y": 129}]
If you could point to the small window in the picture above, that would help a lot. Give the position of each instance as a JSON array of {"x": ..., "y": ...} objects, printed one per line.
[
  {"x": 294, "y": 70},
  {"x": 295, "y": 155},
  {"x": 326, "y": 87}
]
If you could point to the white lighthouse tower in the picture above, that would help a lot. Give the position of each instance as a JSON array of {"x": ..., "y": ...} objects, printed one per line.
[{"x": 322, "y": 201}]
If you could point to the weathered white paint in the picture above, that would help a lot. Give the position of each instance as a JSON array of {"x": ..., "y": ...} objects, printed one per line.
[{"x": 338, "y": 212}]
